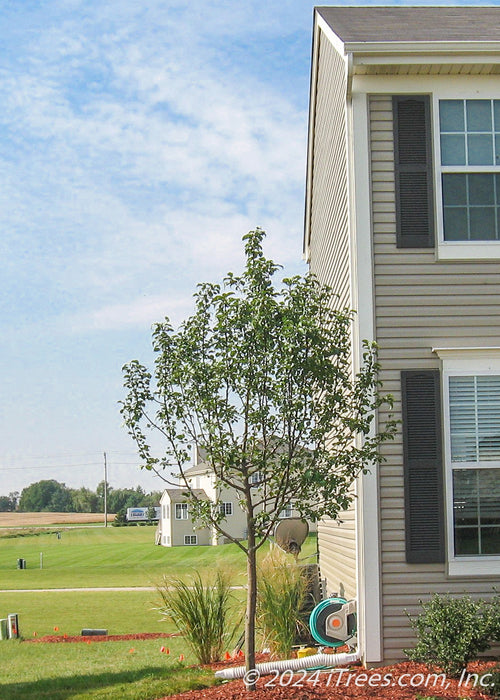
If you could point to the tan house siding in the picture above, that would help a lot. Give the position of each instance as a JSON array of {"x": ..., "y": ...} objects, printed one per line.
[
  {"x": 330, "y": 262},
  {"x": 419, "y": 304}
]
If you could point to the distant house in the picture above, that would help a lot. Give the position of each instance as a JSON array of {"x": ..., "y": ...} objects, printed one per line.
[
  {"x": 403, "y": 221},
  {"x": 176, "y": 527}
]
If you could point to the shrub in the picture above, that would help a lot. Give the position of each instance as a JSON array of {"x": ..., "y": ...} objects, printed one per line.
[
  {"x": 452, "y": 631},
  {"x": 492, "y": 682},
  {"x": 120, "y": 518},
  {"x": 203, "y": 613},
  {"x": 282, "y": 591}
]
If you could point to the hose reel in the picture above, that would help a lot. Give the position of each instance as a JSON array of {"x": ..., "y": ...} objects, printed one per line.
[{"x": 333, "y": 622}]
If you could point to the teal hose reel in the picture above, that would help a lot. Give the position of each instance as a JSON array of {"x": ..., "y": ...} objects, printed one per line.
[{"x": 333, "y": 622}]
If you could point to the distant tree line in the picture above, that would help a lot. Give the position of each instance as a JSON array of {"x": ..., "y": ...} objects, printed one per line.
[{"x": 53, "y": 496}]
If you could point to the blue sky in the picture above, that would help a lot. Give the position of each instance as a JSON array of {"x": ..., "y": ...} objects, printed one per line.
[{"x": 138, "y": 143}]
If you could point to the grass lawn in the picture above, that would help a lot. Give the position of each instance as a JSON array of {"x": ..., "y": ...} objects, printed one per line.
[
  {"x": 132, "y": 670},
  {"x": 113, "y": 556},
  {"x": 100, "y": 557}
]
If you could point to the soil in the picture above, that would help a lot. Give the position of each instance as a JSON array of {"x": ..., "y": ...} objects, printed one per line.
[
  {"x": 404, "y": 681},
  {"x": 100, "y": 637}
]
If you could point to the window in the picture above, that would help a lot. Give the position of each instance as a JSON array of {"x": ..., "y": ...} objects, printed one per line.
[
  {"x": 181, "y": 511},
  {"x": 287, "y": 511},
  {"x": 472, "y": 459},
  {"x": 474, "y": 427},
  {"x": 190, "y": 539},
  {"x": 255, "y": 478},
  {"x": 226, "y": 508},
  {"x": 469, "y": 146}
]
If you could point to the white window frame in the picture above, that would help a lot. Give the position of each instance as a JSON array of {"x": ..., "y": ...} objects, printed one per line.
[
  {"x": 255, "y": 479},
  {"x": 286, "y": 512},
  {"x": 226, "y": 508},
  {"x": 181, "y": 508},
  {"x": 193, "y": 540},
  {"x": 459, "y": 250},
  {"x": 464, "y": 362}
]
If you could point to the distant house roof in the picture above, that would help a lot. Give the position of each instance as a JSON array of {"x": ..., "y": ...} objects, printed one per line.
[
  {"x": 181, "y": 495},
  {"x": 413, "y": 24},
  {"x": 201, "y": 468}
]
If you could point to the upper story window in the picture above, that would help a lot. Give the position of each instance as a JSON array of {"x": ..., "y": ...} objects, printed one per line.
[
  {"x": 181, "y": 511},
  {"x": 287, "y": 511},
  {"x": 470, "y": 169},
  {"x": 255, "y": 479},
  {"x": 447, "y": 173},
  {"x": 226, "y": 508}
]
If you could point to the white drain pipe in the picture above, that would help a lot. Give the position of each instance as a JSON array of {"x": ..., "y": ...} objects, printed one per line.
[{"x": 313, "y": 661}]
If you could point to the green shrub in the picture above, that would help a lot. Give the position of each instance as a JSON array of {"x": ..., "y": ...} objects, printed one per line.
[
  {"x": 282, "y": 589},
  {"x": 452, "y": 631},
  {"x": 203, "y": 612},
  {"x": 120, "y": 518},
  {"x": 492, "y": 682}
]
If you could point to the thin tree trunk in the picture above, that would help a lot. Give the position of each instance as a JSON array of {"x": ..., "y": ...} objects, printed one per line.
[{"x": 251, "y": 602}]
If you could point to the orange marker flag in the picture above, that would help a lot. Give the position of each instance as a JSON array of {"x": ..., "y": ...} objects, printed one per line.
[{"x": 181, "y": 657}]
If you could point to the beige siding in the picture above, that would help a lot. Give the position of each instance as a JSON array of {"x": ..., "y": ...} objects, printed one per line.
[
  {"x": 420, "y": 304},
  {"x": 329, "y": 257}
]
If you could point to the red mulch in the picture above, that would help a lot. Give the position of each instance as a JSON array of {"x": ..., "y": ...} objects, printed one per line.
[
  {"x": 101, "y": 637},
  {"x": 404, "y": 681}
]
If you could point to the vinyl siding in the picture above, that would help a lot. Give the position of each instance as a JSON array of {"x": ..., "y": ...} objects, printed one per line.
[
  {"x": 330, "y": 262},
  {"x": 420, "y": 304}
]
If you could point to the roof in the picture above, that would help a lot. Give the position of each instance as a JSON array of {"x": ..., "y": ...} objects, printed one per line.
[
  {"x": 181, "y": 495},
  {"x": 413, "y": 24},
  {"x": 201, "y": 468}
]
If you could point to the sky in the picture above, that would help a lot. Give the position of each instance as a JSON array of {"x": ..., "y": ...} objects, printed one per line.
[{"x": 139, "y": 141}]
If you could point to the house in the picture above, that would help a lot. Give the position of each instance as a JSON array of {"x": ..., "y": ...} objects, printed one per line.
[
  {"x": 176, "y": 526},
  {"x": 403, "y": 221}
]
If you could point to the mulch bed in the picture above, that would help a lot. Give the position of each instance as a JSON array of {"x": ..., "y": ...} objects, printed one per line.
[{"x": 100, "y": 637}]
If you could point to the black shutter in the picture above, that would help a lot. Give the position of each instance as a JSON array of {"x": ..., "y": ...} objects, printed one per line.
[
  {"x": 413, "y": 172},
  {"x": 423, "y": 466}
]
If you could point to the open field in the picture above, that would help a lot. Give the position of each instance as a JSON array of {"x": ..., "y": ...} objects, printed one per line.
[
  {"x": 109, "y": 557},
  {"x": 104, "y": 557},
  {"x": 41, "y": 519}
]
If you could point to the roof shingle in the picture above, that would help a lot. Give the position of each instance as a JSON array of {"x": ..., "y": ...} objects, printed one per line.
[{"x": 413, "y": 24}]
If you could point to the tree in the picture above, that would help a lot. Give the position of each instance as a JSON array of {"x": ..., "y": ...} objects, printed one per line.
[
  {"x": 85, "y": 500},
  {"x": 9, "y": 503},
  {"x": 260, "y": 377},
  {"x": 46, "y": 495}
]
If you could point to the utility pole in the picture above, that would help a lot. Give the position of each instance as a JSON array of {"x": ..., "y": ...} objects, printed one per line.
[{"x": 105, "y": 492}]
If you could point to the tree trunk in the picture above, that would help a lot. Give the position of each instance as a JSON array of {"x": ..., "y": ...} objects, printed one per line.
[{"x": 251, "y": 603}]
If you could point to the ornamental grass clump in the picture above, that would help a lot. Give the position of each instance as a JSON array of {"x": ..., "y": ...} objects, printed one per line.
[
  {"x": 452, "y": 631},
  {"x": 282, "y": 591},
  {"x": 204, "y": 612}
]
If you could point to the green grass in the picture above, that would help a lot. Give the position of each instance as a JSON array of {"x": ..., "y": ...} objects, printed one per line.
[
  {"x": 103, "y": 557},
  {"x": 120, "y": 612},
  {"x": 100, "y": 557},
  {"x": 114, "y": 556},
  {"x": 99, "y": 669},
  {"x": 106, "y": 670}
]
